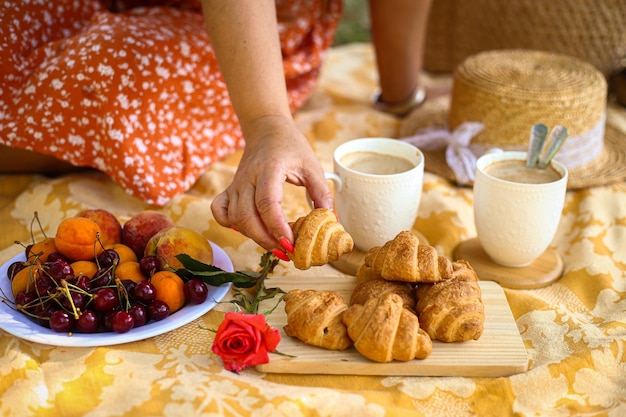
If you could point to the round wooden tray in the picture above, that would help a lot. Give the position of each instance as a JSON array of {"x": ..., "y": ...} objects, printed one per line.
[
  {"x": 542, "y": 272},
  {"x": 350, "y": 262}
]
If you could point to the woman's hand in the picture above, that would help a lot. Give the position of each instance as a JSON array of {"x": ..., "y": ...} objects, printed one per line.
[{"x": 276, "y": 152}]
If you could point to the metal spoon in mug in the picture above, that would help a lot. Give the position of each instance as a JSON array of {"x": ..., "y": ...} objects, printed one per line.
[
  {"x": 538, "y": 135},
  {"x": 557, "y": 137}
]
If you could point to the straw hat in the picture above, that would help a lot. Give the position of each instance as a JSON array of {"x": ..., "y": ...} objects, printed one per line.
[{"x": 497, "y": 96}]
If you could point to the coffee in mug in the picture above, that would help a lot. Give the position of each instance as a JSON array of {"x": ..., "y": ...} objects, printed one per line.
[
  {"x": 377, "y": 187},
  {"x": 376, "y": 163},
  {"x": 517, "y": 171},
  {"x": 516, "y": 211}
]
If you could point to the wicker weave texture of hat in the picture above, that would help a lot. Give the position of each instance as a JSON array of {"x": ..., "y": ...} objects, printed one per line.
[{"x": 510, "y": 91}]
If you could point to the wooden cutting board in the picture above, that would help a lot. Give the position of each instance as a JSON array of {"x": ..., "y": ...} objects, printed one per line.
[{"x": 499, "y": 352}]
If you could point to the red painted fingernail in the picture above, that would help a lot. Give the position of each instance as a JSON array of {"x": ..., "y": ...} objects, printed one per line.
[
  {"x": 235, "y": 229},
  {"x": 285, "y": 243},
  {"x": 281, "y": 255}
]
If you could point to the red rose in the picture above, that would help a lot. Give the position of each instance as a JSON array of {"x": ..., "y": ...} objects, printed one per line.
[{"x": 244, "y": 340}]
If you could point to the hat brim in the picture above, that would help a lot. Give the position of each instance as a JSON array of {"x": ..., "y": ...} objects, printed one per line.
[{"x": 608, "y": 167}]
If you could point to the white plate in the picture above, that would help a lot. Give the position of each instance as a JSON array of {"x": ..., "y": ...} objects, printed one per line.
[{"x": 21, "y": 326}]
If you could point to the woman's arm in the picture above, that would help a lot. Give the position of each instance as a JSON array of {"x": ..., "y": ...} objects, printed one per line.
[{"x": 244, "y": 36}]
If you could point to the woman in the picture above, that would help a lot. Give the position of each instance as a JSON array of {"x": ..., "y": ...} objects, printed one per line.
[{"x": 133, "y": 75}]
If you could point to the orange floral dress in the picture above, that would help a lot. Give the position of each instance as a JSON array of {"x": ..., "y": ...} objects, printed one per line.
[{"x": 132, "y": 88}]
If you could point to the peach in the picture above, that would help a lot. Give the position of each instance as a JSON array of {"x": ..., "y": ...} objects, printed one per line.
[
  {"x": 138, "y": 230},
  {"x": 110, "y": 226},
  {"x": 176, "y": 240}
]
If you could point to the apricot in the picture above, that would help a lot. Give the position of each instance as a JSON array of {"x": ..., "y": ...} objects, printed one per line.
[
  {"x": 130, "y": 270},
  {"x": 170, "y": 289},
  {"x": 40, "y": 250},
  {"x": 124, "y": 251},
  {"x": 110, "y": 226},
  {"x": 177, "y": 240},
  {"x": 138, "y": 230},
  {"x": 86, "y": 268},
  {"x": 24, "y": 280},
  {"x": 77, "y": 239}
]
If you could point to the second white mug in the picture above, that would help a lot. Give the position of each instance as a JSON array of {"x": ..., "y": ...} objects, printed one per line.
[{"x": 378, "y": 187}]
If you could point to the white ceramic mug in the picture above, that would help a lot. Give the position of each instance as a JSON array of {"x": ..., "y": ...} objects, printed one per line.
[
  {"x": 378, "y": 186},
  {"x": 516, "y": 220}
]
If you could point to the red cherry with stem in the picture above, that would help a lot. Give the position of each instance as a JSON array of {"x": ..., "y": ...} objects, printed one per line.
[
  {"x": 88, "y": 322},
  {"x": 79, "y": 300},
  {"x": 54, "y": 257},
  {"x": 158, "y": 310},
  {"x": 122, "y": 322},
  {"x": 105, "y": 299},
  {"x": 101, "y": 278},
  {"x": 196, "y": 291},
  {"x": 107, "y": 319},
  {"x": 61, "y": 321},
  {"x": 149, "y": 265},
  {"x": 139, "y": 313},
  {"x": 59, "y": 270},
  {"x": 84, "y": 283},
  {"x": 23, "y": 299},
  {"x": 108, "y": 258},
  {"x": 14, "y": 268},
  {"x": 144, "y": 292},
  {"x": 43, "y": 285}
]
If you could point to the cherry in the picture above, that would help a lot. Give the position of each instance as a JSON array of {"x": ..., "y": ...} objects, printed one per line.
[
  {"x": 149, "y": 265},
  {"x": 59, "y": 270},
  {"x": 108, "y": 258},
  {"x": 61, "y": 321},
  {"x": 107, "y": 319},
  {"x": 84, "y": 283},
  {"x": 144, "y": 292},
  {"x": 79, "y": 300},
  {"x": 24, "y": 299},
  {"x": 196, "y": 292},
  {"x": 43, "y": 285},
  {"x": 102, "y": 278},
  {"x": 54, "y": 257},
  {"x": 139, "y": 313},
  {"x": 122, "y": 322},
  {"x": 88, "y": 322},
  {"x": 105, "y": 299},
  {"x": 14, "y": 268},
  {"x": 158, "y": 310},
  {"x": 43, "y": 312}
]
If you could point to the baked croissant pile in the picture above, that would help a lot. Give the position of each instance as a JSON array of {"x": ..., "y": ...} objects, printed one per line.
[
  {"x": 319, "y": 239},
  {"x": 407, "y": 295},
  {"x": 452, "y": 310},
  {"x": 383, "y": 330},
  {"x": 315, "y": 317},
  {"x": 405, "y": 259}
]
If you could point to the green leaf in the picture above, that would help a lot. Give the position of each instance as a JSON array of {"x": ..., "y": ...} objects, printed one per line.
[{"x": 213, "y": 275}]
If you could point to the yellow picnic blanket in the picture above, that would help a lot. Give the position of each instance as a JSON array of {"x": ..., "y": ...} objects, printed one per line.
[{"x": 574, "y": 330}]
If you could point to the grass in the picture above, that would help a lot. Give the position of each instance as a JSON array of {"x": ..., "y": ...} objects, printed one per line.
[{"x": 354, "y": 25}]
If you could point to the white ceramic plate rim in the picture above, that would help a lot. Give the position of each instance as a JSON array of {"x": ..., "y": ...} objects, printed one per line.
[{"x": 21, "y": 326}]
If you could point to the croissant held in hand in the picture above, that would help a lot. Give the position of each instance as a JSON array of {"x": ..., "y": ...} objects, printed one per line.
[
  {"x": 404, "y": 259},
  {"x": 315, "y": 317},
  {"x": 452, "y": 310},
  {"x": 319, "y": 239},
  {"x": 383, "y": 330}
]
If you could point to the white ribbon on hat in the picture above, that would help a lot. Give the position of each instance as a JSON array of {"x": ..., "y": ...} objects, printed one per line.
[{"x": 461, "y": 156}]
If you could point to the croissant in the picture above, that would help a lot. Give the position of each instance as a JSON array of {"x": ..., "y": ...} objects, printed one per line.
[
  {"x": 404, "y": 259},
  {"x": 383, "y": 330},
  {"x": 319, "y": 239},
  {"x": 315, "y": 317},
  {"x": 452, "y": 310},
  {"x": 376, "y": 287}
]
